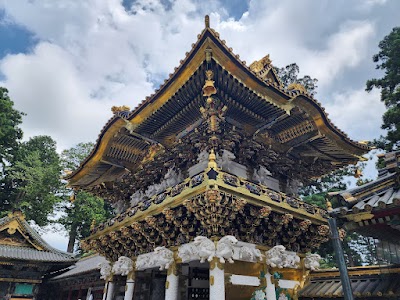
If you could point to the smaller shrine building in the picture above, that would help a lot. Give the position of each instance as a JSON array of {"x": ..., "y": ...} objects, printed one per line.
[{"x": 25, "y": 259}]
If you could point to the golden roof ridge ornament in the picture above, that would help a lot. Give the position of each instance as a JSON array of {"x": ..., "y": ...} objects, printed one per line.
[
  {"x": 209, "y": 88},
  {"x": 212, "y": 164},
  {"x": 259, "y": 65},
  {"x": 17, "y": 213},
  {"x": 117, "y": 109},
  {"x": 295, "y": 86},
  {"x": 213, "y": 112},
  {"x": 207, "y": 21}
]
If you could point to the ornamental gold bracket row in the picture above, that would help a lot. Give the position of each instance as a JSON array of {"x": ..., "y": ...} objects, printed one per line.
[{"x": 213, "y": 203}]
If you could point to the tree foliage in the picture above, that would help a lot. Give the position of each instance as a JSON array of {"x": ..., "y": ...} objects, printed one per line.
[
  {"x": 388, "y": 60},
  {"x": 335, "y": 181},
  {"x": 80, "y": 214},
  {"x": 85, "y": 208},
  {"x": 10, "y": 133},
  {"x": 31, "y": 180},
  {"x": 71, "y": 158},
  {"x": 358, "y": 249}
]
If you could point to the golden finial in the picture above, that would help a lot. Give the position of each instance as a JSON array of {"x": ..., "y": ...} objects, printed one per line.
[
  {"x": 211, "y": 160},
  {"x": 72, "y": 197},
  {"x": 209, "y": 88},
  {"x": 207, "y": 21},
  {"x": 17, "y": 213},
  {"x": 357, "y": 173},
  {"x": 297, "y": 86},
  {"x": 209, "y": 74},
  {"x": 116, "y": 109},
  {"x": 329, "y": 206},
  {"x": 93, "y": 225}
]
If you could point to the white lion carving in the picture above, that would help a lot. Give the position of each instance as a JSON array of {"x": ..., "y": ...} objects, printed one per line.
[
  {"x": 250, "y": 254},
  {"x": 312, "y": 261},
  {"x": 206, "y": 248},
  {"x": 144, "y": 261},
  {"x": 105, "y": 269},
  {"x": 122, "y": 266},
  {"x": 188, "y": 252},
  {"x": 225, "y": 248},
  {"x": 291, "y": 260},
  {"x": 261, "y": 175},
  {"x": 164, "y": 257},
  {"x": 160, "y": 257},
  {"x": 277, "y": 257}
]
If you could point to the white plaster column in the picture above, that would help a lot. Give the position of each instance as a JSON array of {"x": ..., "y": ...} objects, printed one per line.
[
  {"x": 130, "y": 286},
  {"x": 172, "y": 283},
  {"x": 108, "y": 290},
  {"x": 217, "y": 280},
  {"x": 270, "y": 289}
]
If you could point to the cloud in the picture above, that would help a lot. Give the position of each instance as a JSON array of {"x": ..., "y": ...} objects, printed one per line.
[
  {"x": 91, "y": 57},
  {"x": 287, "y": 43},
  {"x": 345, "y": 49},
  {"x": 47, "y": 86},
  {"x": 357, "y": 112},
  {"x": 370, "y": 4},
  {"x": 56, "y": 236}
]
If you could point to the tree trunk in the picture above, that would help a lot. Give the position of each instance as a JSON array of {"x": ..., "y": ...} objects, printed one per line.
[{"x": 72, "y": 238}]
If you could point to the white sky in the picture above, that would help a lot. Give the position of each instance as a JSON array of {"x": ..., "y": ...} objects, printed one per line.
[{"x": 90, "y": 55}]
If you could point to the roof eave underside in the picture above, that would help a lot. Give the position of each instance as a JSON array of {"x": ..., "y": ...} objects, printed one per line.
[{"x": 272, "y": 93}]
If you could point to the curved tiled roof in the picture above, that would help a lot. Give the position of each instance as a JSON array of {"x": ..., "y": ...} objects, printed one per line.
[
  {"x": 371, "y": 281},
  {"x": 382, "y": 193},
  {"x": 39, "y": 250},
  {"x": 24, "y": 253},
  {"x": 300, "y": 98},
  {"x": 83, "y": 265}
]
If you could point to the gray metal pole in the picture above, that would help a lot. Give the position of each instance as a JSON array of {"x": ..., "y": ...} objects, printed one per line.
[{"x": 337, "y": 246}]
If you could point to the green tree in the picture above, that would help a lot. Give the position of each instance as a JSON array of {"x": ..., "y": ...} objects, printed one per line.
[
  {"x": 72, "y": 158},
  {"x": 332, "y": 182},
  {"x": 10, "y": 133},
  {"x": 85, "y": 208},
  {"x": 31, "y": 180},
  {"x": 289, "y": 75},
  {"x": 358, "y": 249},
  {"x": 80, "y": 214},
  {"x": 388, "y": 60}
]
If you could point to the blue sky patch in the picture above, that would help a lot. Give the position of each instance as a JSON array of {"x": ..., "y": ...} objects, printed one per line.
[
  {"x": 235, "y": 8},
  {"x": 14, "y": 38}
]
